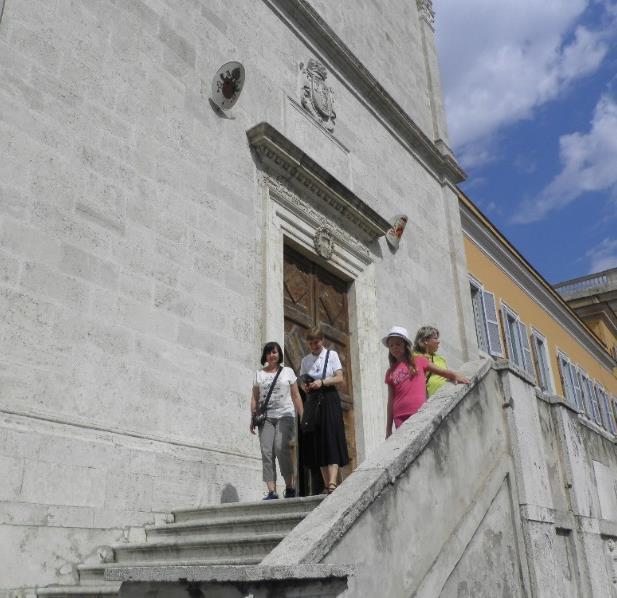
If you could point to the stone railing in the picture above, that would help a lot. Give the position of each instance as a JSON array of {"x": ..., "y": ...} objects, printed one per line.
[{"x": 587, "y": 283}]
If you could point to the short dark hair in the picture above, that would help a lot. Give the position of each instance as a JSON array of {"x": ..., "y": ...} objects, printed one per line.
[{"x": 268, "y": 348}]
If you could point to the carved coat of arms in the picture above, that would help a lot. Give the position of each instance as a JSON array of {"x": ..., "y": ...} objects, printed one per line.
[
  {"x": 324, "y": 242},
  {"x": 317, "y": 97}
]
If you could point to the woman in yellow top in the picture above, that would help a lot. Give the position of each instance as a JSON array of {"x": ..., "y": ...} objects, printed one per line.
[{"x": 426, "y": 344}]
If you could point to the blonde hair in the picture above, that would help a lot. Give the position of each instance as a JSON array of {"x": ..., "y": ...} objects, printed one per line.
[{"x": 422, "y": 336}]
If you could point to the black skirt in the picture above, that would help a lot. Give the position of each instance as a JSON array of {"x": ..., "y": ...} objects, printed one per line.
[{"x": 327, "y": 444}]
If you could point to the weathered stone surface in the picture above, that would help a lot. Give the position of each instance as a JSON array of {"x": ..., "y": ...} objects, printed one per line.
[
  {"x": 133, "y": 226},
  {"x": 458, "y": 503}
]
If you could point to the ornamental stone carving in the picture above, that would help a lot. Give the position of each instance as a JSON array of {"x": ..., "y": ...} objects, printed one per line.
[
  {"x": 426, "y": 12},
  {"x": 308, "y": 214},
  {"x": 317, "y": 98},
  {"x": 324, "y": 242},
  {"x": 106, "y": 554}
]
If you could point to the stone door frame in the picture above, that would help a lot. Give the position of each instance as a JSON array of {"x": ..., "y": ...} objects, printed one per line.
[{"x": 290, "y": 220}]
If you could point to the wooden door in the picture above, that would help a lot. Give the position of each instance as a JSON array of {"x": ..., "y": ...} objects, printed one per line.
[{"x": 314, "y": 296}]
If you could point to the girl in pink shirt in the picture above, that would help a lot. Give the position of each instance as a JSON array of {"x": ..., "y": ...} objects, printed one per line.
[{"x": 406, "y": 378}]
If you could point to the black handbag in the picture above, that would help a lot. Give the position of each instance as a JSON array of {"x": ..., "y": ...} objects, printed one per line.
[
  {"x": 310, "y": 416},
  {"x": 259, "y": 417}
]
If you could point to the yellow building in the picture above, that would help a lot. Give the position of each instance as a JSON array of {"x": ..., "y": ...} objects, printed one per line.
[
  {"x": 594, "y": 299},
  {"x": 521, "y": 317}
]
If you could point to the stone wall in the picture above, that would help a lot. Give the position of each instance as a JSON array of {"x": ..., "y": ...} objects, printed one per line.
[
  {"x": 132, "y": 259},
  {"x": 492, "y": 491}
]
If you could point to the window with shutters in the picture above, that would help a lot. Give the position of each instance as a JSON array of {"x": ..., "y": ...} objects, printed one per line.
[
  {"x": 485, "y": 319},
  {"x": 541, "y": 361},
  {"x": 517, "y": 341},
  {"x": 568, "y": 375},
  {"x": 595, "y": 403},
  {"x": 587, "y": 392},
  {"x": 610, "y": 413},
  {"x": 606, "y": 418},
  {"x": 613, "y": 404}
]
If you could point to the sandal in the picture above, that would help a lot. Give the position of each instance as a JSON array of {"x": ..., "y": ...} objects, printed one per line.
[{"x": 331, "y": 488}]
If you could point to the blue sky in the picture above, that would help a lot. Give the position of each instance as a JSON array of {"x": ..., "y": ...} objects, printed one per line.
[{"x": 531, "y": 99}]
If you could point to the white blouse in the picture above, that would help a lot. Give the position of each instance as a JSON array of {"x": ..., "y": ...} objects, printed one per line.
[
  {"x": 313, "y": 364},
  {"x": 280, "y": 403}
]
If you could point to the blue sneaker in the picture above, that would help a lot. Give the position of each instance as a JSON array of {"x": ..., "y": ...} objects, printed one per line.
[{"x": 271, "y": 495}]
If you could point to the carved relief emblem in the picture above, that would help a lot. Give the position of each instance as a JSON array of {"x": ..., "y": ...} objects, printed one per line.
[
  {"x": 393, "y": 236},
  {"x": 227, "y": 85},
  {"x": 317, "y": 97},
  {"x": 324, "y": 242}
]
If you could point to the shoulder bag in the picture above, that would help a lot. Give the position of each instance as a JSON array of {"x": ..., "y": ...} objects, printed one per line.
[
  {"x": 259, "y": 417},
  {"x": 310, "y": 415}
]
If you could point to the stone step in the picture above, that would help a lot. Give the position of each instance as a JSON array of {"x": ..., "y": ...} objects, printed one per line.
[
  {"x": 195, "y": 529},
  {"x": 241, "y": 510},
  {"x": 228, "y": 534},
  {"x": 222, "y": 546},
  {"x": 105, "y": 590},
  {"x": 94, "y": 574}
]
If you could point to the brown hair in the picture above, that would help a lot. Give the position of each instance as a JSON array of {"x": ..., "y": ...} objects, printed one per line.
[
  {"x": 409, "y": 359},
  {"x": 313, "y": 334}
]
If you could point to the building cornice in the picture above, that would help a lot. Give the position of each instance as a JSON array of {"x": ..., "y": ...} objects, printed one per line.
[
  {"x": 302, "y": 18},
  {"x": 530, "y": 281},
  {"x": 284, "y": 160}
]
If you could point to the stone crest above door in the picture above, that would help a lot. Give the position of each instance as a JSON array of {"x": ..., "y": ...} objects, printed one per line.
[{"x": 317, "y": 96}]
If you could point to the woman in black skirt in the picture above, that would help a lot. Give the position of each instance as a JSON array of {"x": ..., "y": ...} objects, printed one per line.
[{"x": 326, "y": 446}]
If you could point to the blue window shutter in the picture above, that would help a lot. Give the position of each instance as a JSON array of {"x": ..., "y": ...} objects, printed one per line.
[
  {"x": 492, "y": 324},
  {"x": 526, "y": 350}
]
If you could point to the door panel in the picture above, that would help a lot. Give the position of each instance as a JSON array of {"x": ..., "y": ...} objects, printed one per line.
[{"x": 314, "y": 296}]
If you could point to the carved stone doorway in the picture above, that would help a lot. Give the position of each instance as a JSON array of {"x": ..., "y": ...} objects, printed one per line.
[{"x": 314, "y": 296}]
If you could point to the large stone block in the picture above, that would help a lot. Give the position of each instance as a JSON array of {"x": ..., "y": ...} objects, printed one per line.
[
  {"x": 11, "y": 471},
  {"x": 77, "y": 262}
]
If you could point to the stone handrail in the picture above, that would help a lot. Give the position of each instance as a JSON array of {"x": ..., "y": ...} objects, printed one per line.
[{"x": 314, "y": 537}]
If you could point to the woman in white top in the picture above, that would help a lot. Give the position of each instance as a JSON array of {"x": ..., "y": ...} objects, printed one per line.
[
  {"x": 326, "y": 447},
  {"x": 277, "y": 431}
]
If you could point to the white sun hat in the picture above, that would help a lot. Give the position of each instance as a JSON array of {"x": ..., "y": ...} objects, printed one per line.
[{"x": 396, "y": 331}]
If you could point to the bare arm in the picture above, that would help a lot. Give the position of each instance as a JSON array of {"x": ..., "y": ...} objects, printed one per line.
[
  {"x": 297, "y": 401},
  {"x": 338, "y": 378},
  {"x": 389, "y": 417},
  {"x": 449, "y": 374},
  {"x": 254, "y": 401}
]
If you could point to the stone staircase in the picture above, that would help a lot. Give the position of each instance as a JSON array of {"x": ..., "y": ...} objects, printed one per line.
[{"x": 229, "y": 534}]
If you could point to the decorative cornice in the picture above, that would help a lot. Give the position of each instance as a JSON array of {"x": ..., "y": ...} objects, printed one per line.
[
  {"x": 316, "y": 219},
  {"x": 286, "y": 161},
  {"x": 531, "y": 282},
  {"x": 302, "y": 18},
  {"x": 426, "y": 12}
]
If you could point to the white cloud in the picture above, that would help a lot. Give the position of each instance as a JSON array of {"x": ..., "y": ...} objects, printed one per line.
[
  {"x": 603, "y": 256},
  {"x": 589, "y": 164},
  {"x": 501, "y": 60}
]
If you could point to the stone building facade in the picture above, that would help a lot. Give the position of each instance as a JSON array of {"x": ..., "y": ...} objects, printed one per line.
[{"x": 143, "y": 235}]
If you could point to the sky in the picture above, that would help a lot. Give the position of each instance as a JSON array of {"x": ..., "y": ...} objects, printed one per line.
[{"x": 531, "y": 101}]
